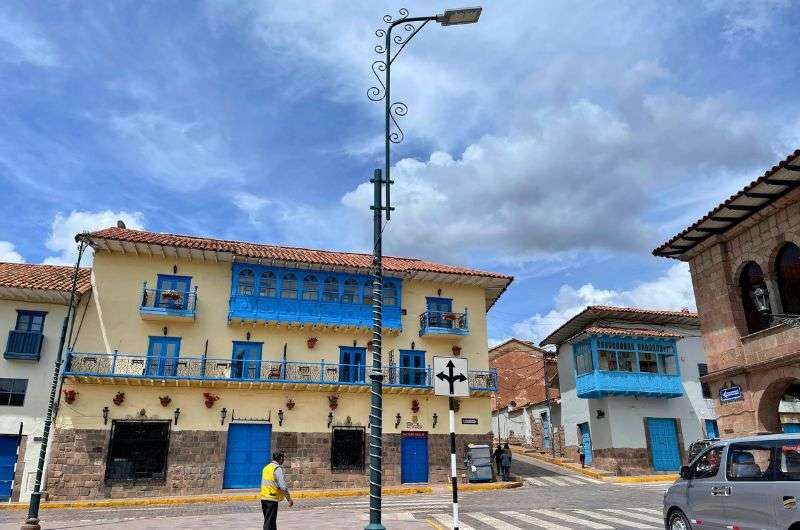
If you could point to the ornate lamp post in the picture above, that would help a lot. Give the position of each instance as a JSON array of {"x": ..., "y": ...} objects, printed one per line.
[
  {"x": 760, "y": 297},
  {"x": 382, "y": 70}
]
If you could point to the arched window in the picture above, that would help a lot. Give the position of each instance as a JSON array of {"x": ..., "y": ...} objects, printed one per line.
[
  {"x": 366, "y": 293},
  {"x": 350, "y": 291},
  {"x": 310, "y": 288},
  {"x": 787, "y": 267},
  {"x": 289, "y": 286},
  {"x": 267, "y": 285},
  {"x": 330, "y": 290},
  {"x": 246, "y": 283},
  {"x": 752, "y": 277},
  {"x": 389, "y": 293}
]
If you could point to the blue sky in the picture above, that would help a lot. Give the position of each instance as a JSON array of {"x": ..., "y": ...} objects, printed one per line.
[{"x": 556, "y": 141}]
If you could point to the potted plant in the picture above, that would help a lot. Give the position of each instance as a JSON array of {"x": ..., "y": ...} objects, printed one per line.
[
  {"x": 165, "y": 400},
  {"x": 369, "y": 345},
  {"x": 170, "y": 294},
  {"x": 414, "y": 406},
  {"x": 333, "y": 402},
  {"x": 456, "y": 405},
  {"x": 70, "y": 395},
  {"x": 119, "y": 397},
  {"x": 311, "y": 342},
  {"x": 290, "y": 404},
  {"x": 456, "y": 350},
  {"x": 210, "y": 399}
]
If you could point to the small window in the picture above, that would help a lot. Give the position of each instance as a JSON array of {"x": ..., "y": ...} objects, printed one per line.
[
  {"x": 702, "y": 370},
  {"x": 138, "y": 450},
  {"x": 608, "y": 360},
  {"x": 750, "y": 462},
  {"x": 310, "y": 288},
  {"x": 583, "y": 358},
  {"x": 268, "y": 285},
  {"x": 289, "y": 286},
  {"x": 627, "y": 360},
  {"x": 330, "y": 291},
  {"x": 350, "y": 291},
  {"x": 648, "y": 362},
  {"x": 707, "y": 464},
  {"x": 669, "y": 364},
  {"x": 389, "y": 294},
  {"x": 788, "y": 468},
  {"x": 12, "y": 392},
  {"x": 30, "y": 321},
  {"x": 246, "y": 282},
  {"x": 347, "y": 449},
  {"x": 366, "y": 293}
]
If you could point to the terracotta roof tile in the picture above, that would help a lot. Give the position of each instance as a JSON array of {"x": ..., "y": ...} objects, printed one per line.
[
  {"x": 630, "y": 332},
  {"x": 43, "y": 277},
  {"x": 636, "y": 310},
  {"x": 303, "y": 255}
]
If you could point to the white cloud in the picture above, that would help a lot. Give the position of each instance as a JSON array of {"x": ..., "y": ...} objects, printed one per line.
[
  {"x": 672, "y": 291},
  {"x": 64, "y": 229},
  {"x": 9, "y": 254},
  {"x": 250, "y": 204},
  {"x": 21, "y": 42}
]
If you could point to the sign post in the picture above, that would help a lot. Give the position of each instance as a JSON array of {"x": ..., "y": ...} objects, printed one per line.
[{"x": 451, "y": 381}]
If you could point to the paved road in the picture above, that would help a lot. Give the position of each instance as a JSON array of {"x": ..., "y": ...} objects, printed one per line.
[{"x": 552, "y": 499}]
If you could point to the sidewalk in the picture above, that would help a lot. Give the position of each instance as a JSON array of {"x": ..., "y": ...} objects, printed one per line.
[{"x": 599, "y": 473}]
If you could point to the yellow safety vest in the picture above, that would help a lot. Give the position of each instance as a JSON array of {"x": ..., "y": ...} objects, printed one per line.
[{"x": 269, "y": 486}]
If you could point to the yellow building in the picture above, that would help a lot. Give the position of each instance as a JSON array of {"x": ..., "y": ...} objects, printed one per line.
[{"x": 195, "y": 358}]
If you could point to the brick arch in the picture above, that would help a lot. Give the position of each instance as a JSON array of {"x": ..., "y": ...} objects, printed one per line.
[
  {"x": 743, "y": 260},
  {"x": 739, "y": 318},
  {"x": 789, "y": 237},
  {"x": 774, "y": 385}
]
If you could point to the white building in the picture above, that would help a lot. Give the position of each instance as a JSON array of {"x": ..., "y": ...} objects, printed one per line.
[
  {"x": 33, "y": 304},
  {"x": 630, "y": 389}
]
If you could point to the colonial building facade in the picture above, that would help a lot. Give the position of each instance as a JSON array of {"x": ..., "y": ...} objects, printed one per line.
[
  {"x": 33, "y": 304},
  {"x": 746, "y": 246},
  {"x": 525, "y": 409},
  {"x": 197, "y": 358},
  {"x": 630, "y": 387}
]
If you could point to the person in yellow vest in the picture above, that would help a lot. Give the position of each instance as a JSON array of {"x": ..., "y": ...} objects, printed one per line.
[{"x": 273, "y": 490}]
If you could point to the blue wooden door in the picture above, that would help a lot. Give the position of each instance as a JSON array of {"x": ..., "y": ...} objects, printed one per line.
[
  {"x": 586, "y": 440},
  {"x": 246, "y": 360},
  {"x": 162, "y": 355},
  {"x": 437, "y": 308},
  {"x": 664, "y": 452},
  {"x": 352, "y": 362},
  {"x": 173, "y": 291},
  {"x": 414, "y": 458},
  {"x": 712, "y": 431},
  {"x": 247, "y": 453},
  {"x": 412, "y": 367},
  {"x": 8, "y": 457},
  {"x": 545, "y": 430}
]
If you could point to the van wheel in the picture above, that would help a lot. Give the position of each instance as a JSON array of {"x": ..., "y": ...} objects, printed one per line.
[{"x": 678, "y": 521}]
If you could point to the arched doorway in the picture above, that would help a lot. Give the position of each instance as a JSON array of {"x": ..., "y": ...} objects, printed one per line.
[{"x": 779, "y": 406}]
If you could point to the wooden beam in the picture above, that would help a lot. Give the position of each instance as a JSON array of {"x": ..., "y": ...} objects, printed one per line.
[
  {"x": 745, "y": 207},
  {"x": 781, "y": 182},
  {"x": 758, "y": 195},
  {"x": 719, "y": 219},
  {"x": 791, "y": 167},
  {"x": 715, "y": 230}
]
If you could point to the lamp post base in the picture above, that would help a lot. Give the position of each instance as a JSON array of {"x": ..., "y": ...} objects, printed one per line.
[
  {"x": 374, "y": 526},
  {"x": 31, "y": 524}
]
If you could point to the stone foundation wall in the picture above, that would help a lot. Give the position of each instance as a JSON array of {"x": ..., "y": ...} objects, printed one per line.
[
  {"x": 19, "y": 472},
  {"x": 196, "y": 463},
  {"x": 622, "y": 461}
]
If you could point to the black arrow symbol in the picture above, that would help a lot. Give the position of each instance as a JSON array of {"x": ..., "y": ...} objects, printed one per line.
[{"x": 451, "y": 378}]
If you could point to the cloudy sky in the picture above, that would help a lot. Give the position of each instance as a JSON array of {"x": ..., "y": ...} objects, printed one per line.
[{"x": 555, "y": 141}]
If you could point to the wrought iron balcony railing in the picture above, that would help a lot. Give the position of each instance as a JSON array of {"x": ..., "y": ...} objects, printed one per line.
[
  {"x": 118, "y": 365},
  {"x": 24, "y": 345},
  {"x": 168, "y": 303},
  {"x": 443, "y": 323}
]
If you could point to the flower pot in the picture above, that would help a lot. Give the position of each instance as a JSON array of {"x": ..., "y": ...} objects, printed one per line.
[
  {"x": 456, "y": 350},
  {"x": 119, "y": 398},
  {"x": 165, "y": 400},
  {"x": 311, "y": 343},
  {"x": 209, "y": 404},
  {"x": 290, "y": 404}
]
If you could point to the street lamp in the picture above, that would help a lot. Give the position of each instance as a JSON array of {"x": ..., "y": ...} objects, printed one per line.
[
  {"x": 393, "y": 109},
  {"x": 760, "y": 297}
]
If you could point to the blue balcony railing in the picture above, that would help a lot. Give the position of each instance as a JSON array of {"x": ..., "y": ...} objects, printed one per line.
[
  {"x": 24, "y": 345},
  {"x": 168, "y": 303},
  {"x": 124, "y": 366},
  {"x": 619, "y": 383},
  {"x": 338, "y": 313},
  {"x": 443, "y": 323}
]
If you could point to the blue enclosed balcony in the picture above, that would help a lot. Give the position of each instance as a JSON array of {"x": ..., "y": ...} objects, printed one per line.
[
  {"x": 443, "y": 324},
  {"x": 293, "y": 296},
  {"x": 177, "y": 370},
  {"x": 626, "y": 366},
  {"x": 24, "y": 345},
  {"x": 168, "y": 304}
]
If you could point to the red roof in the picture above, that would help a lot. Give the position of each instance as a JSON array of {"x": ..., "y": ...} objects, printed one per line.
[
  {"x": 43, "y": 277},
  {"x": 630, "y": 332},
  {"x": 281, "y": 253},
  {"x": 636, "y": 310}
]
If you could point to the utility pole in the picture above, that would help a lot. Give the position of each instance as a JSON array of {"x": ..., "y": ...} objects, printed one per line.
[{"x": 545, "y": 359}]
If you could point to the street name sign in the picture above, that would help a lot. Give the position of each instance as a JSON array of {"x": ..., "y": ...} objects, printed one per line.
[
  {"x": 730, "y": 394},
  {"x": 450, "y": 377}
]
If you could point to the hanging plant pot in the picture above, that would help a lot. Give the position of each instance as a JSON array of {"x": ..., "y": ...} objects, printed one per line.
[
  {"x": 414, "y": 406},
  {"x": 70, "y": 396},
  {"x": 290, "y": 404},
  {"x": 165, "y": 400},
  {"x": 311, "y": 342},
  {"x": 210, "y": 399},
  {"x": 456, "y": 405},
  {"x": 119, "y": 397},
  {"x": 333, "y": 402},
  {"x": 456, "y": 350}
]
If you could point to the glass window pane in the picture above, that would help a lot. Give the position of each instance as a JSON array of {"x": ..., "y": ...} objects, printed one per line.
[
  {"x": 330, "y": 292},
  {"x": 749, "y": 462},
  {"x": 648, "y": 362},
  {"x": 789, "y": 463},
  {"x": 669, "y": 364},
  {"x": 707, "y": 465},
  {"x": 627, "y": 360},
  {"x": 16, "y": 400},
  {"x": 389, "y": 294},
  {"x": 366, "y": 293},
  {"x": 23, "y": 322},
  {"x": 289, "y": 286},
  {"x": 310, "y": 288},
  {"x": 788, "y": 275},
  {"x": 245, "y": 283},
  {"x": 608, "y": 360},
  {"x": 350, "y": 291},
  {"x": 267, "y": 285}
]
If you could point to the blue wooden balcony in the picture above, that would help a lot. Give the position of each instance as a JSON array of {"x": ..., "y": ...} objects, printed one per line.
[
  {"x": 600, "y": 383},
  {"x": 299, "y": 375},
  {"x": 443, "y": 324},
  {"x": 23, "y": 345},
  {"x": 168, "y": 304}
]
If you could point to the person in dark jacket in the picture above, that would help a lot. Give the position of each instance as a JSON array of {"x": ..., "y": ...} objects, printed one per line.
[
  {"x": 498, "y": 452},
  {"x": 505, "y": 462}
]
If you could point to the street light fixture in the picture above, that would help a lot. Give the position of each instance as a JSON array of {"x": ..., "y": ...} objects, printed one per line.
[
  {"x": 393, "y": 134},
  {"x": 760, "y": 297}
]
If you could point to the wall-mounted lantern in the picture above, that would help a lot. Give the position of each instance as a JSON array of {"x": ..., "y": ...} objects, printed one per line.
[
  {"x": 222, "y": 414},
  {"x": 177, "y": 413},
  {"x": 330, "y": 419},
  {"x": 435, "y": 419},
  {"x": 397, "y": 420},
  {"x": 600, "y": 413},
  {"x": 105, "y": 415},
  {"x": 280, "y": 417}
]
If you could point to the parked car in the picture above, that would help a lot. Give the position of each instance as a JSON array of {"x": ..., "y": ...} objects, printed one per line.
[{"x": 746, "y": 483}]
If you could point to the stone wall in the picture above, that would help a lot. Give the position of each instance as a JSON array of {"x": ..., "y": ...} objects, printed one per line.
[
  {"x": 196, "y": 463},
  {"x": 622, "y": 461},
  {"x": 19, "y": 471}
]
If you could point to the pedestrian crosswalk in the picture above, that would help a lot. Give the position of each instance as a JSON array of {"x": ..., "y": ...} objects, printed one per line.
[
  {"x": 561, "y": 480},
  {"x": 411, "y": 504},
  {"x": 598, "y": 519}
]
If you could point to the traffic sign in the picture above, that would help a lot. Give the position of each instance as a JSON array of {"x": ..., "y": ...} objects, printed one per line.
[{"x": 450, "y": 377}]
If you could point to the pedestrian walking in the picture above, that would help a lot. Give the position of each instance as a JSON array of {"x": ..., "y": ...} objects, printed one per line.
[
  {"x": 582, "y": 455},
  {"x": 273, "y": 490},
  {"x": 505, "y": 463},
  {"x": 498, "y": 453}
]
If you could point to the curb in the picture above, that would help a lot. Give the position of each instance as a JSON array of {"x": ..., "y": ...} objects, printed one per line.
[
  {"x": 488, "y": 487},
  {"x": 434, "y": 524},
  {"x": 647, "y": 478},
  {"x": 168, "y": 501},
  {"x": 571, "y": 467}
]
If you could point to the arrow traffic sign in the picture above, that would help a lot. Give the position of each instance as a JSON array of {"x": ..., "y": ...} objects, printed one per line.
[{"x": 450, "y": 377}]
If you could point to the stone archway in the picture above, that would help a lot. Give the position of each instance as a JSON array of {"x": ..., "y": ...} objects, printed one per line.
[{"x": 778, "y": 399}]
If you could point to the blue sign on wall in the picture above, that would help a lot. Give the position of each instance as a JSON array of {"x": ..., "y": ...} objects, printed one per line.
[{"x": 730, "y": 394}]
